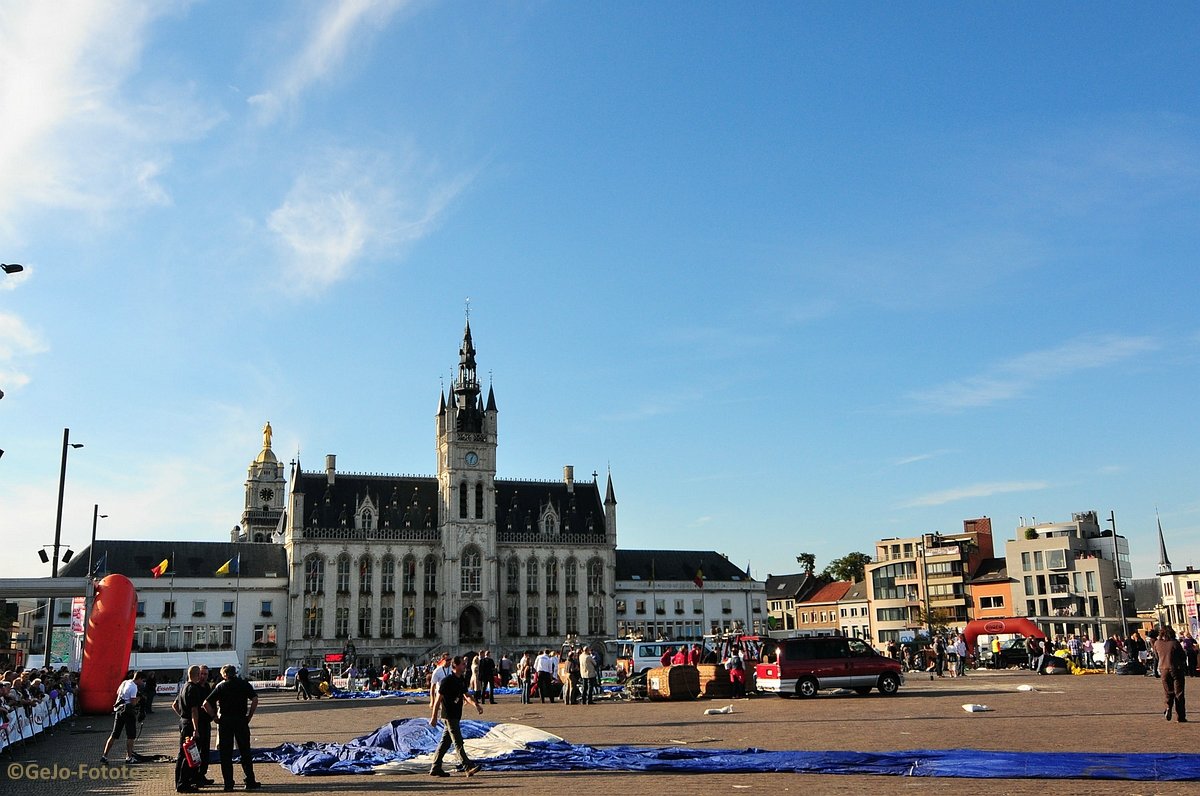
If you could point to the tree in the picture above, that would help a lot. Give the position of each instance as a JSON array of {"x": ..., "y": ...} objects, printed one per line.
[
  {"x": 851, "y": 566},
  {"x": 808, "y": 561}
]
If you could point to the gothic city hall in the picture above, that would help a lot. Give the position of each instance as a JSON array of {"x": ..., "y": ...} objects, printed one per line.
[{"x": 401, "y": 566}]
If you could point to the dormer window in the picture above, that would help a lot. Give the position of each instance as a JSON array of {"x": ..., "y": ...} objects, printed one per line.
[
  {"x": 549, "y": 522},
  {"x": 367, "y": 520}
]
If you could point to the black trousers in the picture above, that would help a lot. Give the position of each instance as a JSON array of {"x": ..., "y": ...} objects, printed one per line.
[
  {"x": 185, "y": 775},
  {"x": 1173, "y": 691},
  {"x": 227, "y": 734},
  {"x": 451, "y": 733},
  {"x": 125, "y": 721}
]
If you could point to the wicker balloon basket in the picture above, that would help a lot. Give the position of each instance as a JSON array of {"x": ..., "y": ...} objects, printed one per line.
[
  {"x": 714, "y": 681},
  {"x": 673, "y": 683}
]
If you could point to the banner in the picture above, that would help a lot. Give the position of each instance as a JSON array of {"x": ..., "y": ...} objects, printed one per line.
[{"x": 78, "y": 609}]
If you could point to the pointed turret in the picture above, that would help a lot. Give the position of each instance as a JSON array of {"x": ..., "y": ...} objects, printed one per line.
[
  {"x": 491, "y": 400},
  {"x": 1164, "y": 563}
]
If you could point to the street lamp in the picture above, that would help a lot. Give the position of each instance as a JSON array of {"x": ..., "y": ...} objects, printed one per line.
[
  {"x": 96, "y": 515},
  {"x": 1118, "y": 582},
  {"x": 62, "y": 479}
]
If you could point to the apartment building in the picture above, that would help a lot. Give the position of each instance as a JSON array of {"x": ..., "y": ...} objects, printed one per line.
[{"x": 923, "y": 581}]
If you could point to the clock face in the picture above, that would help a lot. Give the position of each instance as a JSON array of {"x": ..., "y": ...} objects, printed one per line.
[
  {"x": 266, "y": 494},
  {"x": 472, "y": 458}
]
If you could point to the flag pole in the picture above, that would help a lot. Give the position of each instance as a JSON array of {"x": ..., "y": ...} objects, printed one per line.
[
  {"x": 237, "y": 594},
  {"x": 171, "y": 599}
]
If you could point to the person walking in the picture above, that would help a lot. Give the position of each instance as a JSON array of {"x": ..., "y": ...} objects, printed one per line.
[
  {"x": 125, "y": 716},
  {"x": 1172, "y": 666},
  {"x": 194, "y": 724},
  {"x": 232, "y": 703},
  {"x": 452, "y": 692}
]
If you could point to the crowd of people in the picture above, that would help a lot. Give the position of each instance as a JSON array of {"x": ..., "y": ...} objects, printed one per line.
[{"x": 22, "y": 690}]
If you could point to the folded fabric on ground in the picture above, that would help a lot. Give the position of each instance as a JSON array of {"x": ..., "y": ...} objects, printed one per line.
[
  {"x": 342, "y": 693},
  {"x": 408, "y": 745}
]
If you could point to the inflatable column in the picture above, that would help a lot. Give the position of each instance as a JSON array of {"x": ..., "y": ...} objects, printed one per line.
[{"x": 107, "y": 644}]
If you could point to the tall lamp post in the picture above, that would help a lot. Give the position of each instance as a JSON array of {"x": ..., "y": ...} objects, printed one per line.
[
  {"x": 96, "y": 515},
  {"x": 62, "y": 479},
  {"x": 1119, "y": 582}
]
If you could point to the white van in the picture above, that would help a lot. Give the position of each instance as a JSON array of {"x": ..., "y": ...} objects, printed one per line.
[{"x": 636, "y": 657}]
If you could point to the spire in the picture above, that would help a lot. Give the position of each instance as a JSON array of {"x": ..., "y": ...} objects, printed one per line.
[
  {"x": 610, "y": 496},
  {"x": 1164, "y": 563},
  {"x": 441, "y": 402},
  {"x": 491, "y": 400}
]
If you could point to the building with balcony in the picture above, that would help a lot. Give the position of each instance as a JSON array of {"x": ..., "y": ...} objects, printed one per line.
[
  {"x": 923, "y": 582},
  {"x": 1065, "y": 576}
]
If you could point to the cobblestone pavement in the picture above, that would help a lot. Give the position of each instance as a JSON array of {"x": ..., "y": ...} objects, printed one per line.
[{"x": 1086, "y": 713}]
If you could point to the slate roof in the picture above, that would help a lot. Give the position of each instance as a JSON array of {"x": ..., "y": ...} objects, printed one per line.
[
  {"x": 991, "y": 570},
  {"x": 856, "y": 592},
  {"x": 135, "y": 558},
  {"x": 1146, "y": 593},
  {"x": 676, "y": 565},
  {"x": 792, "y": 587},
  {"x": 412, "y": 502}
]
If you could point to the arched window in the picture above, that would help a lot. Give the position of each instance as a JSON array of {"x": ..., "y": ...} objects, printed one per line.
[
  {"x": 364, "y": 620},
  {"x": 462, "y": 500},
  {"x": 595, "y": 588},
  {"x": 571, "y": 576},
  {"x": 409, "y": 575},
  {"x": 551, "y": 579},
  {"x": 472, "y": 571},
  {"x": 364, "y": 575},
  {"x": 513, "y": 576},
  {"x": 387, "y": 574},
  {"x": 595, "y": 576},
  {"x": 343, "y": 574},
  {"x": 367, "y": 519},
  {"x": 531, "y": 576},
  {"x": 314, "y": 574},
  {"x": 549, "y": 522},
  {"x": 479, "y": 501},
  {"x": 430, "y": 575}
]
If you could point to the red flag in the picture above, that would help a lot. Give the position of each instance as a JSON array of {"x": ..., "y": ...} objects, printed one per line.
[{"x": 699, "y": 579}]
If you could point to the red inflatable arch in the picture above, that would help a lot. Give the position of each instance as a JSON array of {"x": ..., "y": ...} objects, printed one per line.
[
  {"x": 107, "y": 643},
  {"x": 994, "y": 627}
]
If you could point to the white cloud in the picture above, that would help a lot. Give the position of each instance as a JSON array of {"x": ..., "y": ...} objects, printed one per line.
[
  {"x": 329, "y": 38},
  {"x": 16, "y": 342},
  {"x": 920, "y": 457},
  {"x": 1016, "y": 376},
  {"x": 973, "y": 491},
  {"x": 353, "y": 206},
  {"x": 71, "y": 137}
]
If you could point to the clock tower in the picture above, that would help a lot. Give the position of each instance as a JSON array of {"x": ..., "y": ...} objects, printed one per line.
[
  {"x": 265, "y": 495},
  {"x": 466, "y": 474}
]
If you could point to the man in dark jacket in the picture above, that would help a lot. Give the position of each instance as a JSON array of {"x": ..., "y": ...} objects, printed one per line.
[
  {"x": 1172, "y": 665},
  {"x": 233, "y": 703}
]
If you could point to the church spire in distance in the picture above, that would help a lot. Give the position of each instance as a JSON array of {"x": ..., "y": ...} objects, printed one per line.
[{"x": 1164, "y": 563}]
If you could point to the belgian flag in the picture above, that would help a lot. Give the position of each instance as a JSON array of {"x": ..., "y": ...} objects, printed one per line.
[{"x": 162, "y": 568}]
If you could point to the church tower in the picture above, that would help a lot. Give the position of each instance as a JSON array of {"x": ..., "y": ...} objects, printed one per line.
[
  {"x": 265, "y": 495},
  {"x": 466, "y": 474}
]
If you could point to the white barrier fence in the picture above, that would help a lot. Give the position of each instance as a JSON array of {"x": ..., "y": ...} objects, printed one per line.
[{"x": 21, "y": 727}]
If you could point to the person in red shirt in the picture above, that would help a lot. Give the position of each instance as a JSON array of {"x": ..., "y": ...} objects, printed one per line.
[
  {"x": 680, "y": 657},
  {"x": 667, "y": 657}
]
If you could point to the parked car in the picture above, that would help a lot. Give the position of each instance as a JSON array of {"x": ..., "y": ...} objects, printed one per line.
[
  {"x": 805, "y": 666},
  {"x": 1012, "y": 653}
]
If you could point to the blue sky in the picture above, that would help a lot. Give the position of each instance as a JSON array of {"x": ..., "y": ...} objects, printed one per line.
[{"x": 802, "y": 275}]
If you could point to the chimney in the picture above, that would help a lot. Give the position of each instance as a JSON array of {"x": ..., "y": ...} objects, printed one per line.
[
  {"x": 569, "y": 477},
  {"x": 330, "y": 467}
]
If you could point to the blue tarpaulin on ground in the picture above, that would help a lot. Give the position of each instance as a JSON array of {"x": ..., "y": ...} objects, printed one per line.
[{"x": 404, "y": 740}]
